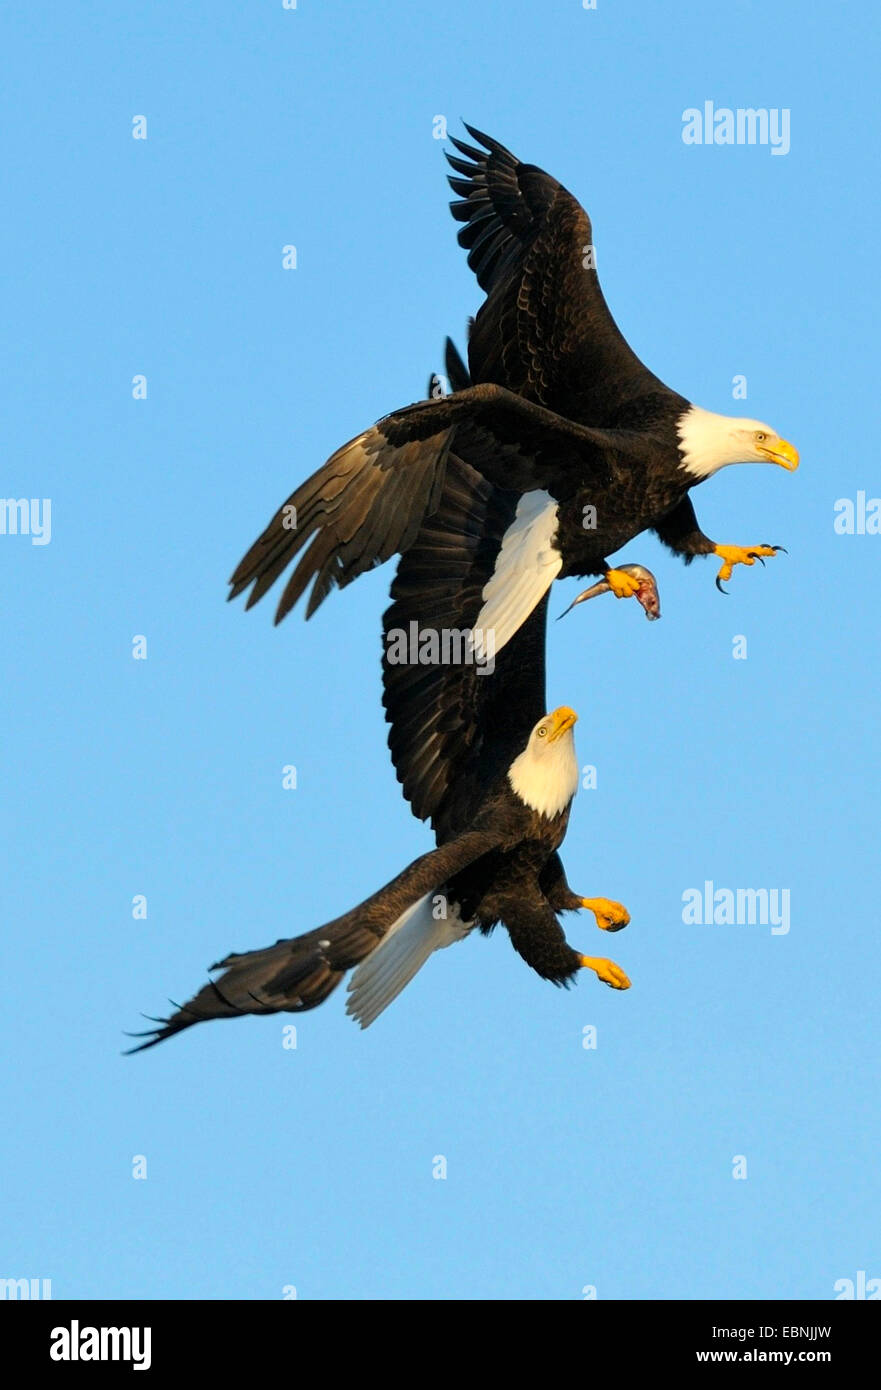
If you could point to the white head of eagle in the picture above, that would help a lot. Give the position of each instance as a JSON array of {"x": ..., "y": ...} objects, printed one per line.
[
  {"x": 545, "y": 774},
  {"x": 708, "y": 442}
]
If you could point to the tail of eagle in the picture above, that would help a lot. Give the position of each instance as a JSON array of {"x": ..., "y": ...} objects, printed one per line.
[{"x": 300, "y": 973}]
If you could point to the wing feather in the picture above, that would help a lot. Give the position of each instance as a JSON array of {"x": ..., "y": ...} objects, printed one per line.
[
  {"x": 369, "y": 500},
  {"x": 454, "y": 732},
  {"x": 545, "y": 330}
]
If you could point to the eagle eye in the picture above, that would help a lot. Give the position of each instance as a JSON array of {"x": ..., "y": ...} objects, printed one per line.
[
  {"x": 541, "y": 731},
  {"x": 760, "y": 437}
]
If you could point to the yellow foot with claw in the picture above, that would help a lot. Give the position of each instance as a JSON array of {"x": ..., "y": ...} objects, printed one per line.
[
  {"x": 611, "y": 916},
  {"x": 732, "y": 555},
  {"x": 607, "y": 971},
  {"x": 623, "y": 585}
]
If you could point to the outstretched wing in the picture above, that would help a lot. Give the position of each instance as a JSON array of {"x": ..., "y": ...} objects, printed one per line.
[
  {"x": 362, "y": 507},
  {"x": 297, "y": 974},
  {"x": 545, "y": 330},
  {"x": 456, "y": 726},
  {"x": 369, "y": 500}
]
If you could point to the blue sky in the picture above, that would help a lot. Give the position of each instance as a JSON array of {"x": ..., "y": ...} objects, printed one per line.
[{"x": 567, "y": 1168}]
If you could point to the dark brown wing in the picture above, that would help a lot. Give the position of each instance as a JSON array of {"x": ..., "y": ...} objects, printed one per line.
[
  {"x": 362, "y": 507},
  {"x": 454, "y": 731},
  {"x": 369, "y": 500},
  {"x": 298, "y": 974},
  {"x": 545, "y": 329},
  {"x": 458, "y": 378}
]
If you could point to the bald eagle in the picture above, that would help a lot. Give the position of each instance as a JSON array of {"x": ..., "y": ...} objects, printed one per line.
[
  {"x": 475, "y": 757},
  {"x": 502, "y": 868},
  {"x": 478, "y": 758},
  {"x": 561, "y": 412}
]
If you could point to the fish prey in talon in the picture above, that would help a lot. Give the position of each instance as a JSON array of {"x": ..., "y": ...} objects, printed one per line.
[{"x": 642, "y": 586}]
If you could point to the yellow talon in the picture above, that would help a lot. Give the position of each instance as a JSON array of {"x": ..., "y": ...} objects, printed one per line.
[
  {"x": 611, "y": 916},
  {"x": 622, "y": 585},
  {"x": 733, "y": 555},
  {"x": 607, "y": 971}
]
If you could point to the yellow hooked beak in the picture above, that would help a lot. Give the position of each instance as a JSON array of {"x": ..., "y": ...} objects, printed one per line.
[
  {"x": 561, "y": 720},
  {"x": 785, "y": 454}
]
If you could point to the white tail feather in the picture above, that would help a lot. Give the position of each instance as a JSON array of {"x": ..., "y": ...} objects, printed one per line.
[
  {"x": 403, "y": 951},
  {"x": 526, "y": 566}
]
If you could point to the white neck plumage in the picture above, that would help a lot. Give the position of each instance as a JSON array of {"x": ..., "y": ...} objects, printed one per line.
[
  {"x": 546, "y": 778},
  {"x": 708, "y": 442}
]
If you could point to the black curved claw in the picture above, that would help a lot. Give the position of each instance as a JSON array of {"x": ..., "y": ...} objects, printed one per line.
[
  {"x": 777, "y": 549},
  {"x": 719, "y": 587},
  {"x": 754, "y": 555}
]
